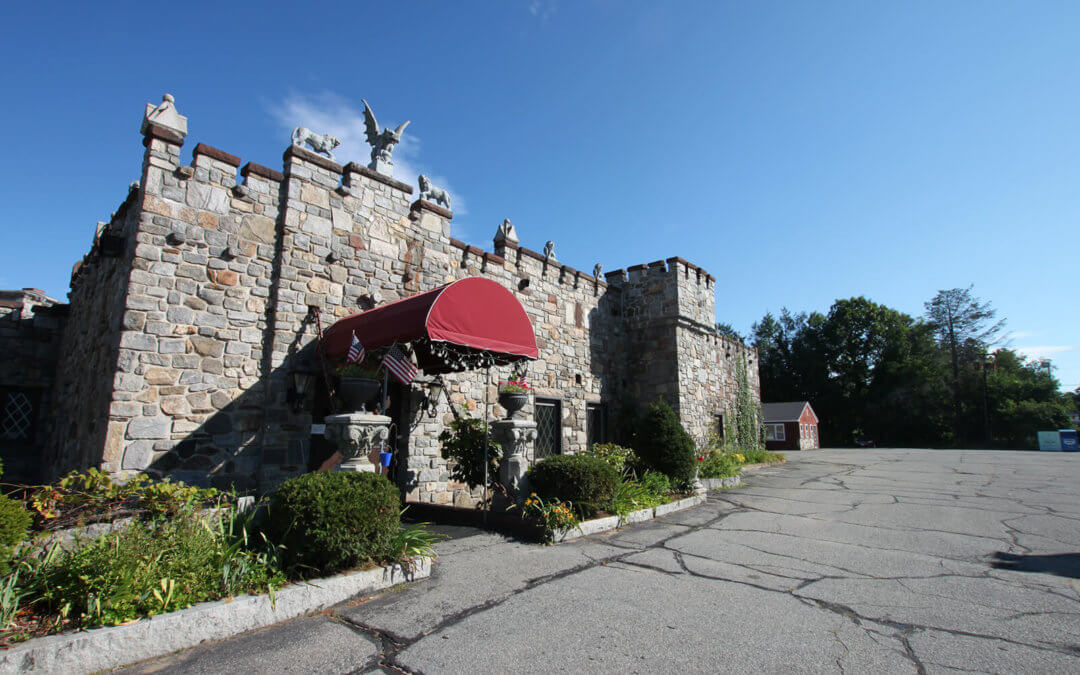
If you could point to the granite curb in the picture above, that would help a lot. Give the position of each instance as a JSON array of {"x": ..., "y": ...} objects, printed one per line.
[
  {"x": 598, "y": 525},
  {"x": 610, "y": 523},
  {"x": 103, "y": 648}
]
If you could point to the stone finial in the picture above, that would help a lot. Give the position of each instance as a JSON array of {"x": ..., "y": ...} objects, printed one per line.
[
  {"x": 432, "y": 193},
  {"x": 164, "y": 115},
  {"x": 323, "y": 143},
  {"x": 382, "y": 142},
  {"x": 597, "y": 269},
  {"x": 549, "y": 251},
  {"x": 506, "y": 234}
]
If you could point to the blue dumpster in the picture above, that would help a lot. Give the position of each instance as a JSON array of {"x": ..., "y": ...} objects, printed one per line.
[{"x": 1068, "y": 440}]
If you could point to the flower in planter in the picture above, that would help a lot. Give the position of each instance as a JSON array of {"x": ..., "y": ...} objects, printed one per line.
[{"x": 518, "y": 386}]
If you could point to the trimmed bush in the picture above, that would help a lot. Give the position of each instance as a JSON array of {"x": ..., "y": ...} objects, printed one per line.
[
  {"x": 329, "y": 522},
  {"x": 588, "y": 482},
  {"x": 14, "y": 521},
  {"x": 665, "y": 446}
]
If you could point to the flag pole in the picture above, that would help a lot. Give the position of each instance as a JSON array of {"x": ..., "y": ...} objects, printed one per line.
[{"x": 487, "y": 501}]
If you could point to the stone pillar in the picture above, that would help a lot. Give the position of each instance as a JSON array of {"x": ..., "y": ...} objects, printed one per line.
[
  {"x": 356, "y": 435},
  {"x": 516, "y": 438}
]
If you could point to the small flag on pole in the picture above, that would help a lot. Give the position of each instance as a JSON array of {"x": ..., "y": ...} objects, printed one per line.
[
  {"x": 356, "y": 351},
  {"x": 399, "y": 364}
]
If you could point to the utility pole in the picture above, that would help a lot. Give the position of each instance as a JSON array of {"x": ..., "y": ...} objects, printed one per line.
[{"x": 988, "y": 362}]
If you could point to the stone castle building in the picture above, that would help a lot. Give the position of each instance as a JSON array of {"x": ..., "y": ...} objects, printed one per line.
[{"x": 187, "y": 346}]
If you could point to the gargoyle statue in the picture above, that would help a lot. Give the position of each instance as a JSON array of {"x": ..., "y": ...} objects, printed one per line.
[
  {"x": 432, "y": 193},
  {"x": 382, "y": 143},
  {"x": 549, "y": 250}
]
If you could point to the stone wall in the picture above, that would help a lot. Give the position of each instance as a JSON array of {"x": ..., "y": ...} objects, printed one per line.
[
  {"x": 200, "y": 324},
  {"x": 30, "y": 330}
]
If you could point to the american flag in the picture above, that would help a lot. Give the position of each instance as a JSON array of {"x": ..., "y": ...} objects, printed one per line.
[
  {"x": 356, "y": 351},
  {"x": 399, "y": 364}
]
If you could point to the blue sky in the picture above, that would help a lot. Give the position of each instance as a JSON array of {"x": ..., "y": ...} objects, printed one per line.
[{"x": 800, "y": 152}]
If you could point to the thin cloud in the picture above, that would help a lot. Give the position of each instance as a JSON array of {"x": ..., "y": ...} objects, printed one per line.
[
  {"x": 1021, "y": 334},
  {"x": 331, "y": 113},
  {"x": 1044, "y": 351},
  {"x": 542, "y": 9}
]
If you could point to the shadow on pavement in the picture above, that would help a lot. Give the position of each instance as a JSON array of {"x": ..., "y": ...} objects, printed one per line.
[{"x": 1061, "y": 564}]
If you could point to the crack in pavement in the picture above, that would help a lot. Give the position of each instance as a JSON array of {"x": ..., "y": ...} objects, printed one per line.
[{"x": 676, "y": 551}]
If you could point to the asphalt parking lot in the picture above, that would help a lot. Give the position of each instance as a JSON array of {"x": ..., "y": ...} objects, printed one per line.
[{"x": 848, "y": 560}]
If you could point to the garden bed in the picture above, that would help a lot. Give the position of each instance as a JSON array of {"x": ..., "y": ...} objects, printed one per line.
[
  {"x": 101, "y": 648},
  {"x": 609, "y": 523}
]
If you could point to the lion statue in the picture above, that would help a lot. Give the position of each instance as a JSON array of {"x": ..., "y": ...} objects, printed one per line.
[
  {"x": 323, "y": 143},
  {"x": 432, "y": 193}
]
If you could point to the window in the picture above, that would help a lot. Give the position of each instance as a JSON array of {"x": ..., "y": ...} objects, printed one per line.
[
  {"x": 596, "y": 429},
  {"x": 720, "y": 426},
  {"x": 774, "y": 432},
  {"x": 548, "y": 427},
  {"x": 16, "y": 415}
]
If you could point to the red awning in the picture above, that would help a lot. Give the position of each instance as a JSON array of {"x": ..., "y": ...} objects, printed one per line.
[{"x": 474, "y": 315}]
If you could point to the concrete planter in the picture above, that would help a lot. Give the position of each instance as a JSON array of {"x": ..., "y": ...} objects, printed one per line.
[{"x": 103, "y": 648}]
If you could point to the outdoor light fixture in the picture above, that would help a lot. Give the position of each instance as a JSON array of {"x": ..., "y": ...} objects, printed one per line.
[
  {"x": 299, "y": 386},
  {"x": 435, "y": 390}
]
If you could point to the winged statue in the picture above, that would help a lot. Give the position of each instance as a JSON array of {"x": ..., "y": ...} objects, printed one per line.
[{"x": 382, "y": 142}]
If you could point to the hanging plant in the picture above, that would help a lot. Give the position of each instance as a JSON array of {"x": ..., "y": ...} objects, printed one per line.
[{"x": 463, "y": 444}]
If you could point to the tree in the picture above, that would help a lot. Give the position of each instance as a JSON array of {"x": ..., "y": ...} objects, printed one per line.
[
  {"x": 965, "y": 328},
  {"x": 1023, "y": 400},
  {"x": 869, "y": 371},
  {"x": 727, "y": 330}
]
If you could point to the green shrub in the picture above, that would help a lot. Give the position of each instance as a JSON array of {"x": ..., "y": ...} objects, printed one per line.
[
  {"x": 632, "y": 495},
  {"x": 93, "y": 496},
  {"x": 147, "y": 568},
  {"x": 15, "y": 520},
  {"x": 585, "y": 481},
  {"x": 719, "y": 465},
  {"x": 328, "y": 522},
  {"x": 665, "y": 446},
  {"x": 762, "y": 457},
  {"x": 617, "y": 456},
  {"x": 656, "y": 483}
]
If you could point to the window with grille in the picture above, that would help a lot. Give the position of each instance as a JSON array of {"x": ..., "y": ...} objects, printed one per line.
[
  {"x": 595, "y": 423},
  {"x": 16, "y": 415},
  {"x": 548, "y": 427}
]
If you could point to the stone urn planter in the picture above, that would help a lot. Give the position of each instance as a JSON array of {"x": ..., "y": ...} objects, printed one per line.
[
  {"x": 513, "y": 402},
  {"x": 357, "y": 393}
]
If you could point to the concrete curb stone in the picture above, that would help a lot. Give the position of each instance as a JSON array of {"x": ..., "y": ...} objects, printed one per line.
[
  {"x": 679, "y": 505},
  {"x": 103, "y": 648},
  {"x": 721, "y": 483}
]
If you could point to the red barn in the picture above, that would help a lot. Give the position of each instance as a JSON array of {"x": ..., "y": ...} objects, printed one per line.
[{"x": 791, "y": 425}]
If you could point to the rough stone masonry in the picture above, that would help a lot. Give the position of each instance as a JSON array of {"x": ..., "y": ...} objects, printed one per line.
[{"x": 190, "y": 318}]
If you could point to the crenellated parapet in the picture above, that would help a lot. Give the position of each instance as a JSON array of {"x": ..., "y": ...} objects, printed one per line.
[{"x": 197, "y": 310}]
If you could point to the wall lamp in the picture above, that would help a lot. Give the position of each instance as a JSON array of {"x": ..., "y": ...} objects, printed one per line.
[
  {"x": 300, "y": 382},
  {"x": 435, "y": 390}
]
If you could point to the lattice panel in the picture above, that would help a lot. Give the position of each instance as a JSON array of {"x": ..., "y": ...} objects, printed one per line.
[
  {"x": 16, "y": 417},
  {"x": 547, "y": 429}
]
